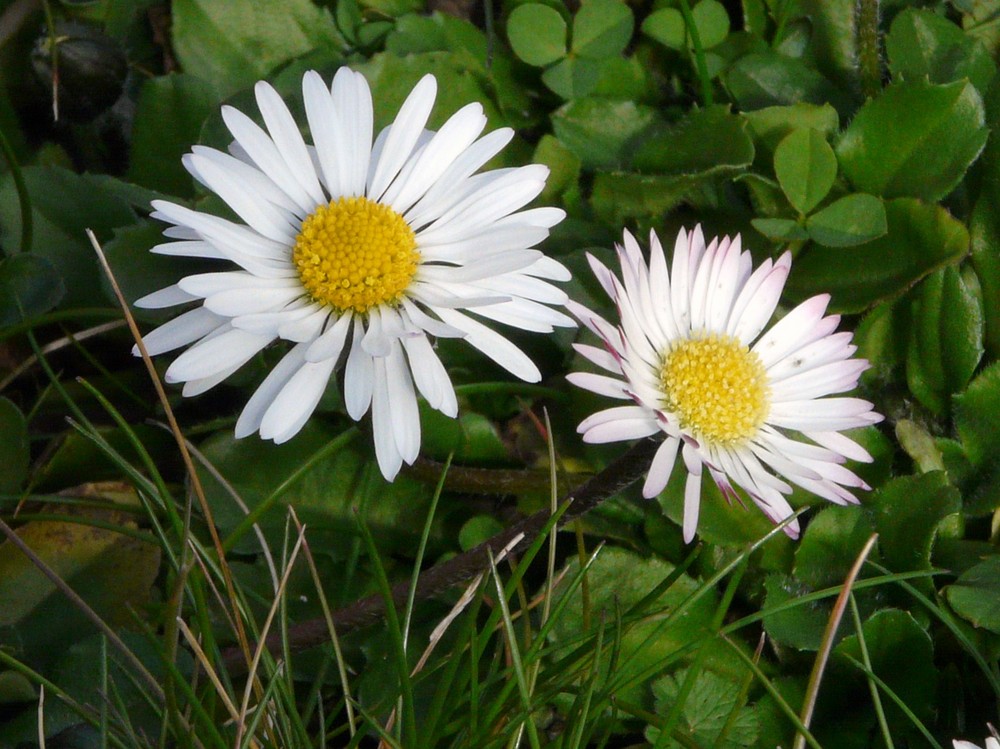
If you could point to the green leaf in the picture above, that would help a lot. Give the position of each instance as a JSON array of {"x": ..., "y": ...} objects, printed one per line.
[
  {"x": 907, "y": 512},
  {"x": 618, "y": 579},
  {"x": 806, "y": 167},
  {"x": 667, "y": 25},
  {"x": 780, "y": 229},
  {"x": 922, "y": 44},
  {"x": 920, "y": 239},
  {"x": 29, "y": 286},
  {"x": 706, "y": 141},
  {"x": 767, "y": 79},
  {"x": 801, "y": 626},
  {"x": 168, "y": 119},
  {"x": 848, "y": 221},
  {"x": 470, "y": 438},
  {"x": 833, "y": 40},
  {"x": 618, "y": 197},
  {"x": 64, "y": 205},
  {"x": 235, "y": 44},
  {"x": 976, "y": 416},
  {"x": 916, "y": 139},
  {"x": 14, "y": 451},
  {"x": 831, "y": 543},
  {"x": 707, "y": 710},
  {"x": 976, "y": 595},
  {"x": 946, "y": 340},
  {"x": 984, "y": 226},
  {"x": 537, "y": 34},
  {"x": 769, "y": 126},
  {"x": 111, "y": 571},
  {"x": 902, "y": 655},
  {"x": 602, "y": 132},
  {"x": 882, "y": 338},
  {"x": 478, "y": 529},
  {"x": 564, "y": 167},
  {"x": 712, "y": 22},
  {"x": 573, "y": 77},
  {"x": 602, "y": 28}
]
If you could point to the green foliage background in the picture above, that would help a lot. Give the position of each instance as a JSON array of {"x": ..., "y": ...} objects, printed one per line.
[{"x": 860, "y": 135}]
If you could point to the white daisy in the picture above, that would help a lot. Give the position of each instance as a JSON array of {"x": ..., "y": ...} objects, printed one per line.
[
  {"x": 358, "y": 253},
  {"x": 688, "y": 356}
]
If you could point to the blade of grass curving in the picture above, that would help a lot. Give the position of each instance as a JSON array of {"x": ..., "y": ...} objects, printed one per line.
[
  {"x": 826, "y": 644},
  {"x": 515, "y": 655},
  {"x": 57, "y": 345},
  {"x": 741, "y": 698},
  {"x": 261, "y": 648},
  {"x": 229, "y": 489},
  {"x": 675, "y": 613},
  {"x": 103, "y": 677},
  {"x": 408, "y": 723},
  {"x": 247, "y": 523},
  {"x": 534, "y": 651},
  {"x": 338, "y": 652},
  {"x": 419, "y": 559},
  {"x": 83, "y": 606},
  {"x": 866, "y": 659},
  {"x": 775, "y": 694},
  {"x": 260, "y": 710},
  {"x": 584, "y": 700},
  {"x": 210, "y": 671},
  {"x": 891, "y": 694},
  {"x": 677, "y": 708},
  {"x": 945, "y": 618},
  {"x": 698, "y": 53},
  {"x": 175, "y": 429}
]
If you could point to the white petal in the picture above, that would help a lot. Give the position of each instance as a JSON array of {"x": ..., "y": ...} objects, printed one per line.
[
  {"x": 692, "y": 493},
  {"x": 181, "y": 331},
  {"x": 661, "y": 468},
  {"x": 256, "y": 181},
  {"x": 296, "y": 401},
  {"x": 264, "y": 395},
  {"x": 288, "y": 140},
  {"x": 403, "y": 404},
  {"x": 403, "y": 135},
  {"x": 386, "y": 452},
  {"x": 358, "y": 377},
  {"x": 248, "y": 301},
  {"x": 249, "y": 205},
  {"x": 331, "y": 343},
  {"x": 600, "y": 384},
  {"x": 261, "y": 149},
  {"x": 230, "y": 349},
  {"x": 840, "y": 444},
  {"x": 353, "y": 100},
  {"x": 446, "y": 191},
  {"x": 430, "y": 376},
  {"x": 494, "y": 345},
  {"x": 189, "y": 248},
  {"x": 457, "y": 134},
  {"x": 168, "y": 297}
]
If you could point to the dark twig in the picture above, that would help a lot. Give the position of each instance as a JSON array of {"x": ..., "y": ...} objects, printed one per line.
[{"x": 620, "y": 474}]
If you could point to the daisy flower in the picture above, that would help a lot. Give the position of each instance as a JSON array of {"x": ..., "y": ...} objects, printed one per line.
[
  {"x": 689, "y": 355},
  {"x": 358, "y": 254}
]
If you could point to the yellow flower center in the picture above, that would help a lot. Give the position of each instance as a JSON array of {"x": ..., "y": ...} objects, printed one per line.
[
  {"x": 355, "y": 254},
  {"x": 717, "y": 386}
]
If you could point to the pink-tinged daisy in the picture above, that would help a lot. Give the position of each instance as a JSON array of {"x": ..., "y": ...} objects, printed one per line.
[
  {"x": 358, "y": 254},
  {"x": 689, "y": 355}
]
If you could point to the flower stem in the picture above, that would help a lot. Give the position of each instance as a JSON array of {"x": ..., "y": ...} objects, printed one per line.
[
  {"x": 869, "y": 55},
  {"x": 698, "y": 52}
]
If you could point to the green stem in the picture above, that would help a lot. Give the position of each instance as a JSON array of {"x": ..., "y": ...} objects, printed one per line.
[
  {"x": 699, "y": 54},
  {"x": 869, "y": 55}
]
